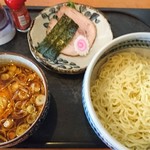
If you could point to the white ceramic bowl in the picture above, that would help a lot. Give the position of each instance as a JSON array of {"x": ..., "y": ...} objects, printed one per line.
[
  {"x": 131, "y": 40},
  {"x": 20, "y": 59}
]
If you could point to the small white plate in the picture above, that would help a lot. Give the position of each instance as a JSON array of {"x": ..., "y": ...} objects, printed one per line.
[{"x": 67, "y": 64}]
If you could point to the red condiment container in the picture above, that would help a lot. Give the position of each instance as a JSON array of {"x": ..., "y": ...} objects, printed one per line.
[{"x": 19, "y": 14}]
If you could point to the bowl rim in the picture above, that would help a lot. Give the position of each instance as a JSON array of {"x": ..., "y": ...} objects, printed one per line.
[{"x": 107, "y": 138}]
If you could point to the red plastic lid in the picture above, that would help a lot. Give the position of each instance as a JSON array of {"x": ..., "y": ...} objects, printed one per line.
[{"x": 15, "y": 4}]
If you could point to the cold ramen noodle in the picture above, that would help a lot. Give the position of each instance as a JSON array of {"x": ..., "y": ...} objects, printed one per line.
[
  {"x": 121, "y": 99},
  {"x": 22, "y": 97}
]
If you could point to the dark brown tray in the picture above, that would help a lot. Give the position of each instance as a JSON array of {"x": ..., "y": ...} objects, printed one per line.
[{"x": 66, "y": 124}]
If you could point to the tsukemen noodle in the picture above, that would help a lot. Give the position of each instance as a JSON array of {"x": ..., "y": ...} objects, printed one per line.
[
  {"x": 121, "y": 98},
  {"x": 22, "y": 97}
]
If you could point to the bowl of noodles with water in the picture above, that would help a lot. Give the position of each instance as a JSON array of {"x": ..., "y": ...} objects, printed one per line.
[
  {"x": 116, "y": 92},
  {"x": 24, "y": 98}
]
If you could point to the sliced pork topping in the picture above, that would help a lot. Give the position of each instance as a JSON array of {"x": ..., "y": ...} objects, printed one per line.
[
  {"x": 86, "y": 26},
  {"x": 73, "y": 34},
  {"x": 58, "y": 38},
  {"x": 86, "y": 29}
]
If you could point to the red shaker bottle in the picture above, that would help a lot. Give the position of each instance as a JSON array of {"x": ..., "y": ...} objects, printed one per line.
[{"x": 19, "y": 14}]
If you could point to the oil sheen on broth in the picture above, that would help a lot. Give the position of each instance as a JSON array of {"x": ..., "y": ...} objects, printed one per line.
[{"x": 22, "y": 97}]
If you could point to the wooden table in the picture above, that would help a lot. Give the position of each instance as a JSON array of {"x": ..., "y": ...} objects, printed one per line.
[
  {"x": 144, "y": 4},
  {"x": 57, "y": 149},
  {"x": 95, "y": 3}
]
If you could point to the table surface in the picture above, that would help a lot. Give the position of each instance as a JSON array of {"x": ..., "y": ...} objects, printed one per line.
[
  {"x": 145, "y": 4},
  {"x": 95, "y": 3}
]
